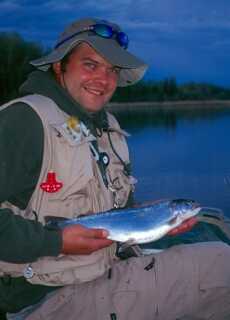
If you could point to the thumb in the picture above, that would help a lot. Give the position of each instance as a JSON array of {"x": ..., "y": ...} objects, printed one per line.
[{"x": 97, "y": 233}]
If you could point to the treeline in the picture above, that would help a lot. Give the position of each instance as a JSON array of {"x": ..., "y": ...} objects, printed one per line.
[
  {"x": 169, "y": 90},
  {"x": 15, "y": 54}
]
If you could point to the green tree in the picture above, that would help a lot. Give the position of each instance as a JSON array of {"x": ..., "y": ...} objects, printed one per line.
[{"x": 15, "y": 54}]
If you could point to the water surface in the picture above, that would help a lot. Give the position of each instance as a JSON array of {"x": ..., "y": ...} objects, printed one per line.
[{"x": 181, "y": 154}]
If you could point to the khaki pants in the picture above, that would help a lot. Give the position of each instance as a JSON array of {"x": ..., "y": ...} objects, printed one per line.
[{"x": 185, "y": 282}]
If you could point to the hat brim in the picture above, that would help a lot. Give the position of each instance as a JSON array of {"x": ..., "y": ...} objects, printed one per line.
[{"x": 132, "y": 68}]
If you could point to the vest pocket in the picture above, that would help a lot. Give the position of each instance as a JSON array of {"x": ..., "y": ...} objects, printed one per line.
[
  {"x": 74, "y": 205},
  {"x": 121, "y": 184},
  {"x": 74, "y": 169}
]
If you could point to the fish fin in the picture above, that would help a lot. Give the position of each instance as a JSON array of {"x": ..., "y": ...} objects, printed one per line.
[
  {"x": 127, "y": 244},
  {"x": 53, "y": 221},
  {"x": 172, "y": 221},
  {"x": 128, "y": 252},
  {"x": 147, "y": 252},
  {"x": 137, "y": 250}
]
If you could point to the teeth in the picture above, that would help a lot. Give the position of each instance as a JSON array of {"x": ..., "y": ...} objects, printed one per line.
[{"x": 95, "y": 91}]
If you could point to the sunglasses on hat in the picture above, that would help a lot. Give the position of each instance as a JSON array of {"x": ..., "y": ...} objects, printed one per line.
[{"x": 104, "y": 31}]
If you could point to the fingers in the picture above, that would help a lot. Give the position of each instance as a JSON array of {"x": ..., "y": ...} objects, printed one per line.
[
  {"x": 80, "y": 240},
  {"x": 91, "y": 233}
]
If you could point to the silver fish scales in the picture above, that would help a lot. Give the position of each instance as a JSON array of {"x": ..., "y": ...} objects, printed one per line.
[{"x": 137, "y": 225}]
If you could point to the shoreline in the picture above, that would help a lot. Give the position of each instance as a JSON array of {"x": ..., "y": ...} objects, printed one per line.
[{"x": 144, "y": 106}]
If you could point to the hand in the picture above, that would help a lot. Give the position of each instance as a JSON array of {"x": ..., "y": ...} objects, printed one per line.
[
  {"x": 81, "y": 240},
  {"x": 184, "y": 227}
]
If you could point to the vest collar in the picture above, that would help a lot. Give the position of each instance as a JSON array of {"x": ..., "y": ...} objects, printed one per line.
[{"x": 43, "y": 83}]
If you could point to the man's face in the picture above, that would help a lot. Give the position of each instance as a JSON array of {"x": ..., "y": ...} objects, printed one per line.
[{"x": 88, "y": 77}]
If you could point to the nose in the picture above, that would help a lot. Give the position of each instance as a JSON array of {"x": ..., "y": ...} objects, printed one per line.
[{"x": 103, "y": 74}]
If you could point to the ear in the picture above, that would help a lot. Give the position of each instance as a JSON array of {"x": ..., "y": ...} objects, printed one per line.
[{"x": 57, "y": 68}]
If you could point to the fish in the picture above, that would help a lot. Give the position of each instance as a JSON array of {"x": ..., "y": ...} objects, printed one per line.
[{"x": 136, "y": 225}]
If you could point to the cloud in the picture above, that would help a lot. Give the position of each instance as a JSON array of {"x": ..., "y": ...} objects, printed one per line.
[
  {"x": 72, "y": 5},
  {"x": 8, "y": 5},
  {"x": 108, "y": 5},
  {"x": 62, "y": 5},
  {"x": 178, "y": 15}
]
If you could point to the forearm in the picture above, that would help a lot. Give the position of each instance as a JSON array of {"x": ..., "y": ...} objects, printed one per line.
[{"x": 24, "y": 240}]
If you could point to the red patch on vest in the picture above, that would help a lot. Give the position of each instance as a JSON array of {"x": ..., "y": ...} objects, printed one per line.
[{"x": 51, "y": 185}]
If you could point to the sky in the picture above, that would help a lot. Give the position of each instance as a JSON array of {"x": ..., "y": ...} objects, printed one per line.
[{"x": 185, "y": 39}]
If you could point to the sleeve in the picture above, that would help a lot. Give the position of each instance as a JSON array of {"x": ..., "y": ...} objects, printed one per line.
[{"x": 21, "y": 150}]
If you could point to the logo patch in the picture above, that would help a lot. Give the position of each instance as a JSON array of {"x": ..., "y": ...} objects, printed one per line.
[{"x": 51, "y": 185}]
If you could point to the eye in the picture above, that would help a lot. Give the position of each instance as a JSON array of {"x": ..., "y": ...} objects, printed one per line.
[
  {"x": 116, "y": 70},
  {"x": 90, "y": 65}
]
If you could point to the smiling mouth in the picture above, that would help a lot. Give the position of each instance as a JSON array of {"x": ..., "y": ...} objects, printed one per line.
[{"x": 96, "y": 92}]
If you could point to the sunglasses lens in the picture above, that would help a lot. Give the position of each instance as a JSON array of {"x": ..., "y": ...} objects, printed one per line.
[
  {"x": 123, "y": 39},
  {"x": 106, "y": 31},
  {"x": 103, "y": 30}
]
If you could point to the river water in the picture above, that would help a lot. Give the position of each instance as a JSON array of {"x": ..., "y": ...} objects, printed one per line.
[{"x": 181, "y": 154}]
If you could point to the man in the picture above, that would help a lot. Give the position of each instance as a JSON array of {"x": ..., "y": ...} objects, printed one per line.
[{"x": 62, "y": 155}]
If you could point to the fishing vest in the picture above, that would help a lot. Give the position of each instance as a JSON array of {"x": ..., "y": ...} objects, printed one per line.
[{"x": 80, "y": 189}]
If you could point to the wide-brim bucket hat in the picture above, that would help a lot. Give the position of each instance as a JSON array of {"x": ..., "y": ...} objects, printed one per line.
[{"x": 132, "y": 68}]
